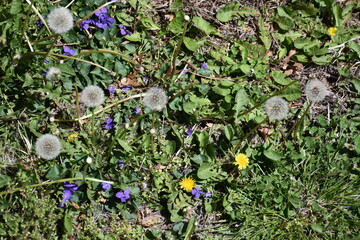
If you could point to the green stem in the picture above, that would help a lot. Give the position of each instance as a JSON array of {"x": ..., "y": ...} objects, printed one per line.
[{"x": 53, "y": 182}]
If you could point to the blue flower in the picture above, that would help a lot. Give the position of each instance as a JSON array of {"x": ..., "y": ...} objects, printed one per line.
[
  {"x": 137, "y": 110},
  {"x": 85, "y": 24},
  {"x": 190, "y": 130},
  {"x": 71, "y": 186},
  {"x": 68, "y": 192},
  {"x": 111, "y": 89},
  {"x": 110, "y": 124},
  {"x": 196, "y": 192},
  {"x": 123, "y": 30},
  {"x": 126, "y": 88},
  {"x": 103, "y": 21},
  {"x": 121, "y": 164},
  {"x": 207, "y": 195},
  {"x": 40, "y": 23},
  {"x": 204, "y": 65},
  {"x": 68, "y": 51},
  {"x": 105, "y": 186},
  {"x": 123, "y": 195},
  {"x": 185, "y": 71}
]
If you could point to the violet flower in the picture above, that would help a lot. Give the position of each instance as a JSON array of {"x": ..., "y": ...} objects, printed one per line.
[
  {"x": 189, "y": 131},
  {"x": 111, "y": 89},
  {"x": 196, "y": 192},
  {"x": 123, "y": 195},
  {"x": 123, "y": 30},
  {"x": 137, "y": 110},
  {"x": 121, "y": 164},
  {"x": 204, "y": 65},
  {"x": 126, "y": 88},
  {"x": 110, "y": 124},
  {"x": 207, "y": 195},
  {"x": 68, "y": 51},
  {"x": 68, "y": 192},
  {"x": 105, "y": 186}
]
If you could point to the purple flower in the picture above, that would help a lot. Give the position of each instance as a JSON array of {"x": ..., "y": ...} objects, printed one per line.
[
  {"x": 85, "y": 24},
  {"x": 68, "y": 51},
  {"x": 123, "y": 195},
  {"x": 126, "y": 88},
  {"x": 196, "y": 192},
  {"x": 185, "y": 71},
  {"x": 204, "y": 65},
  {"x": 111, "y": 89},
  {"x": 137, "y": 110},
  {"x": 110, "y": 124},
  {"x": 68, "y": 192},
  {"x": 105, "y": 186},
  {"x": 146, "y": 79},
  {"x": 121, "y": 164},
  {"x": 103, "y": 21},
  {"x": 190, "y": 130},
  {"x": 46, "y": 61},
  {"x": 207, "y": 195},
  {"x": 123, "y": 30},
  {"x": 40, "y": 23}
]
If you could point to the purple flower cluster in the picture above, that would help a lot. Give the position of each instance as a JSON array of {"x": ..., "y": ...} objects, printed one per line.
[
  {"x": 123, "y": 30},
  {"x": 102, "y": 20},
  {"x": 110, "y": 124},
  {"x": 125, "y": 195},
  {"x": 137, "y": 110},
  {"x": 189, "y": 131},
  {"x": 196, "y": 192},
  {"x": 69, "y": 190},
  {"x": 204, "y": 65},
  {"x": 68, "y": 51},
  {"x": 126, "y": 88},
  {"x": 111, "y": 89},
  {"x": 40, "y": 23}
]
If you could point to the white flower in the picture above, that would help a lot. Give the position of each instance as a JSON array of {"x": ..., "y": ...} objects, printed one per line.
[
  {"x": 89, "y": 160},
  {"x": 276, "y": 108},
  {"x": 155, "y": 99},
  {"x": 92, "y": 96},
  {"x": 52, "y": 73},
  {"x": 316, "y": 91},
  {"x": 60, "y": 20},
  {"x": 48, "y": 146}
]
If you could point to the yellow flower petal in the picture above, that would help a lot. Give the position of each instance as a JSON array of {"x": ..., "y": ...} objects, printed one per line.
[
  {"x": 187, "y": 183},
  {"x": 242, "y": 161},
  {"x": 332, "y": 31}
]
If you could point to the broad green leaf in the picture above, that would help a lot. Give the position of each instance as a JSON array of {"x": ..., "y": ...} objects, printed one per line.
[
  {"x": 149, "y": 23},
  {"x": 221, "y": 91},
  {"x": 191, "y": 44},
  {"x": 28, "y": 80},
  {"x": 301, "y": 58},
  {"x": 241, "y": 100},
  {"x": 317, "y": 228},
  {"x": 226, "y": 83},
  {"x": 176, "y": 25},
  {"x": 189, "y": 107},
  {"x": 204, "y": 25},
  {"x": 66, "y": 68},
  {"x": 15, "y": 6},
  {"x": 245, "y": 68},
  {"x": 67, "y": 222},
  {"x": 357, "y": 144},
  {"x": 265, "y": 34},
  {"x": 280, "y": 78},
  {"x": 56, "y": 172},
  {"x": 356, "y": 83},
  {"x": 292, "y": 92},
  {"x": 200, "y": 101},
  {"x": 232, "y": 10},
  {"x": 120, "y": 68},
  {"x": 206, "y": 171},
  {"x": 135, "y": 37},
  {"x": 125, "y": 146},
  {"x": 190, "y": 229},
  {"x": 4, "y": 180},
  {"x": 203, "y": 138},
  {"x": 323, "y": 60},
  {"x": 176, "y": 5},
  {"x": 273, "y": 155},
  {"x": 229, "y": 132},
  {"x": 285, "y": 23},
  {"x": 354, "y": 46}
]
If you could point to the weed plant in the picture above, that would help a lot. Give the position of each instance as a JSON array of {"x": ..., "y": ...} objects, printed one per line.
[{"x": 131, "y": 120}]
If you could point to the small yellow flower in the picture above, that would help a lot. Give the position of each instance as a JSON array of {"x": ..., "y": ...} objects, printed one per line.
[
  {"x": 72, "y": 137},
  {"x": 242, "y": 161},
  {"x": 332, "y": 31},
  {"x": 187, "y": 183}
]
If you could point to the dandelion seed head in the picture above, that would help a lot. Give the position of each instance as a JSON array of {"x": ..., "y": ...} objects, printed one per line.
[
  {"x": 48, "y": 146},
  {"x": 92, "y": 96},
  {"x": 155, "y": 98},
  {"x": 60, "y": 20},
  {"x": 52, "y": 73},
  {"x": 276, "y": 108},
  {"x": 316, "y": 90}
]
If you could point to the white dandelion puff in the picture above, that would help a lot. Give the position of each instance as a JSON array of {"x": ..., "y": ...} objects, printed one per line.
[
  {"x": 60, "y": 20},
  {"x": 48, "y": 146},
  {"x": 52, "y": 73},
  {"x": 276, "y": 108},
  {"x": 316, "y": 90},
  {"x": 92, "y": 96},
  {"x": 155, "y": 98}
]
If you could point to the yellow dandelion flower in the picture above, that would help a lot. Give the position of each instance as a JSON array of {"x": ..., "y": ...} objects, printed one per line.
[
  {"x": 187, "y": 183},
  {"x": 332, "y": 31},
  {"x": 72, "y": 137},
  {"x": 242, "y": 161}
]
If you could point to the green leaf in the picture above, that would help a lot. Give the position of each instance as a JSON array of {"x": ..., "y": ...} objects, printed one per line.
[
  {"x": 203, "y": 138},
  {"x": 124, "y": 145},
  {"x": 191, "y": 44},
  {"x": 200, "y": 101},
  {"x": 221, "y": 91},
  {"x": 176, "y": 25},
  {"x": 229, "y": 132},
  {"x": 357, "y": 144},
  {"x": 28, "y": 80},
  {"x": 292, "y": 93},
  {"x": 241, "y": 99},
  {"x": 354, "y": 46},
  {"x": 149, "y": 23},
  {"x": 206, "y": 171},
  {"x": 67, "y": 223},
  {"x": 135, "y": 37},
  {"x": 204, "y": 25},
  {"x": 66, "y": 68},
  {"x": 4, "y": 180},
  {"x": 280, "y": 78},
  {"x": 56, "y": 172},
  {"x": 245, "y": 68},
  {"x": 15, "y": 6},
  {"x": 265, "y": 34},
  {"x": 273, "y": 155},
  {"x": 285, "y": 23},
  {"x": 356, "y": 83},
  {"x": 189, "y": 107},
  {"x": 120, "y": 68},
  {"x": 190, "y": 229},
  {"x": 232, "y": 10},
  {"x": 323, "y": 60},
  {"x": 317, "y": 228}
]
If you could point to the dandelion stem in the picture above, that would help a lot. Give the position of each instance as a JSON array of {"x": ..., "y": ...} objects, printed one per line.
[{"x": 53, "y": 182}]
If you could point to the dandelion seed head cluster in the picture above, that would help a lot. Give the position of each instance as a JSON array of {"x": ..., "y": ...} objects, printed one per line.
[
  {"x": 52, "y": 73},
  {"x": 155, "y": 98},
  {"x": 48, "y": 146},
  {"x": 276, "y": 108},
  {"x": 316, "y": 90},
  {"x": 92, "y": 96},
  {"x": 242, "y": 161},
  {"x": 60, "y": 20},
  {"x": 187, "y": 183}
]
